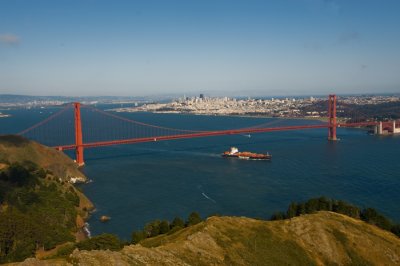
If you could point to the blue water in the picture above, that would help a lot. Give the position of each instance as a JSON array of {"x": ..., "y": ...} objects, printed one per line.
[{"x": 138, "y": 183}]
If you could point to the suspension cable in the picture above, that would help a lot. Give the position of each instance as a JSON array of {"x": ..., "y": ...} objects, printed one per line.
[
  {"x": 141, "y": 123},
  {"x": 45, "y": 121}
]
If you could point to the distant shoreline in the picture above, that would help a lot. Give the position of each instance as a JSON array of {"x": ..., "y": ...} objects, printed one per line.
[{"x": 322, "y": 119}]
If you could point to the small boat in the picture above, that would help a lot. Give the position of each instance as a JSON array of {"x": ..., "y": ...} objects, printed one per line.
[
  {"x": 105, "y": 218},
  {"x": 234, "y": 153}
]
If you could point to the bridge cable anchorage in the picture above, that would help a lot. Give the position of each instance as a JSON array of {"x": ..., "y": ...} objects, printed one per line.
[{"x": 68, "y": 106}]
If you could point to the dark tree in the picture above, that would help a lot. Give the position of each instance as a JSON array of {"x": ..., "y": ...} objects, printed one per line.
[
  {"x": 177, "y": 222},
  {"x": 164, "y": 227},
  {"x": 138, "y": 236},
  {"x": 20, "y": 176},
  {"x": 292, "y": 210},
  {"x": 194, "y": 218},
  {"x": 346, "y": 209},
  {"x": 41, "y": 173},
  {"x": 103, "y": 241},
  {"x": 278, "y": 216},
  {"x": 152, "y": 228},
  {"x": 371, "y": 216},
  {"x": 301, "y": 209},
  {"x": 396, "y": 230}
]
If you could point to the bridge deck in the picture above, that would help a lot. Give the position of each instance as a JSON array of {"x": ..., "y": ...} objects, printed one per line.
[{"x": 209, "y": 134}]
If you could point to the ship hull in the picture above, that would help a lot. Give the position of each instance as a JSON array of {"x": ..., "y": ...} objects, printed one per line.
[{"x": 253, "y": 158}]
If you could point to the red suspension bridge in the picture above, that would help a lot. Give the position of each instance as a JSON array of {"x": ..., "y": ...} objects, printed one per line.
[{"x": 73, "y": 134}]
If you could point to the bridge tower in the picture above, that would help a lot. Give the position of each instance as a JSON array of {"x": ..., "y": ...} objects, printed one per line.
[
  {"x": 78, "y": 135},
  {"x": 332, "y": 117}
]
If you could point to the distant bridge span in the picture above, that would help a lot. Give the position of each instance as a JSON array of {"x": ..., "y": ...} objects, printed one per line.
[
  {"x": 164, "y": 133},
  {"x": 208, "y": 134}
]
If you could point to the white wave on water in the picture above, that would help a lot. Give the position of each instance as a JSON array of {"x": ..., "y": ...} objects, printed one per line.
[
  {"x": 207, "y": 197},
  {"x": 200, "y": 187},
  {"x": 86, "y": 230}
]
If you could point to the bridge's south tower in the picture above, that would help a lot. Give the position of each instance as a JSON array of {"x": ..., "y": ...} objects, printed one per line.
[
  {"x": 332, "y": 117},
  {"x": 78, "y": 135}
]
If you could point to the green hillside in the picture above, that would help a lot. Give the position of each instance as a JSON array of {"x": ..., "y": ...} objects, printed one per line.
[{"x": 39, "y": 209}]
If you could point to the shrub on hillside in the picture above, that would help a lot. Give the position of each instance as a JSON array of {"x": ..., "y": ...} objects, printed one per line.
[
  {"x": 371, "y": 216},
  {"x": 138, "y": 236},
  {"x": 101, "y": 242},
  {"x": 177, "y": 222},
  {"x": 368, "y": 215},
  {"x": 194, "y": 218}
]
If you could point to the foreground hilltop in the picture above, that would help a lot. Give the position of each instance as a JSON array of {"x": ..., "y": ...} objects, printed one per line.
[
  {"x": 323, "y": 238},
  {"x": 18, "y": 149}
]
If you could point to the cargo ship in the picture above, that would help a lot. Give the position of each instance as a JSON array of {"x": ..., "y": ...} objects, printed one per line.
[{"x": 234, "y": 152}]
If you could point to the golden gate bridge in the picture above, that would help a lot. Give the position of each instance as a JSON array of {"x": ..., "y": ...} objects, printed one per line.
[{"x": 76, "y": 133}]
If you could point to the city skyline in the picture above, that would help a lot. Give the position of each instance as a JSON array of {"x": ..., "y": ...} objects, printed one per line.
[{"x": 137, "y": 48}]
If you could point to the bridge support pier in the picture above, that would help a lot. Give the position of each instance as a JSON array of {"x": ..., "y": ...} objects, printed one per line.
[
  {"x": 78, "y": 135},
  {"x": 378, "y": 129},
  {"x": 395, "y": 130},
  {"x": 332, "y": 117}
]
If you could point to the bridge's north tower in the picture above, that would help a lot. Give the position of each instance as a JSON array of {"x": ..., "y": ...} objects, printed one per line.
[
  {"x": 78, "y": 134},
  {"x": 332, "y": 117}
]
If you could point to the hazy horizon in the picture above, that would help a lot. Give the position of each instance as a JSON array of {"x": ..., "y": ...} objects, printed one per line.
[{"x": 233, "y": 48}]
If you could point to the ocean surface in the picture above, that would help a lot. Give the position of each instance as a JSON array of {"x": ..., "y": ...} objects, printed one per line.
[{"x": 135, "y": 184}]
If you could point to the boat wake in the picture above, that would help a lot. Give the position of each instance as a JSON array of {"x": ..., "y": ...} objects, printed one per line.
[
  {"x": 204, "y": 194},
  {"x": 207, "y": 197}
]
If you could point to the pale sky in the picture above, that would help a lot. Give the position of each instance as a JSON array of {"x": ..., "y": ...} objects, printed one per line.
[{"x": 136, "y": 48}]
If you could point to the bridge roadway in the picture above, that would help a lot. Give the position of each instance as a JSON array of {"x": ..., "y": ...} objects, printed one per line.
[{"x": 208, "y": 134}]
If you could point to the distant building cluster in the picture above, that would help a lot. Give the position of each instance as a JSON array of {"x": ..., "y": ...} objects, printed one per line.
[
  {"x": 32, "y": 104},
  {"x": 272, "y": 107},
  {"x": 308, "y": 107},
  {"x": 364, "y": 100},
  {"x": 288, "y": 107}
]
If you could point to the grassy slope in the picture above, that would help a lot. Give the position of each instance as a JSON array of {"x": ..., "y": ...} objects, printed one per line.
[
  {"x": 17, "y": 149},
  {"x": 323, "y": 238}
]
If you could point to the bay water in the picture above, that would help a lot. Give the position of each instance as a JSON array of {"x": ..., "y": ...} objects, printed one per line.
[{"x": 135, "y": 184}]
